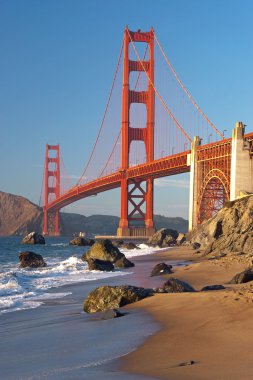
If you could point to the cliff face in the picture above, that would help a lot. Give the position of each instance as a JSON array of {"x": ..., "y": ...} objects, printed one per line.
[{"x": 19, "y": 216}]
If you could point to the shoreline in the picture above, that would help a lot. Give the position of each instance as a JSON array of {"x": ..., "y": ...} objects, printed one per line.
[
  {"x": 213, "y": 328},
  {"x": 57, "y": 340}
]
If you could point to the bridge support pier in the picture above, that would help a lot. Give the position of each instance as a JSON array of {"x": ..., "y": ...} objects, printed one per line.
[
  {"x": 194, "y": 173},
  {"x": 241, "y": 179}
]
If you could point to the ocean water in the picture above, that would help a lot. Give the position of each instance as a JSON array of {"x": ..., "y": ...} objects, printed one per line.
[{"x": 25, "y": 288}]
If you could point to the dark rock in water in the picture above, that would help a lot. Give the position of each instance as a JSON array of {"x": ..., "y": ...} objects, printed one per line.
[
  {"x": 123, "y": 262},
  {"x": 104, "y": 250},
  {"x": 241, "y": 278},
  {"x": 96, "y": 264},
  {"x": 80, "y": 241},
  {"x": 163, "y": 238},
  {"x": 130, "y": 245},
  {"x": 31, "y": 260},
  {"x": 212, "y": 287},
  {"x": 173, "y": 285},
  {"x": 196, "y": 245},
  {"x": 111, "y": 297},
  {"x": 33, "y": 238},
  {"x": 161, "y": 268},
  {"x": 118, "y": 243}
]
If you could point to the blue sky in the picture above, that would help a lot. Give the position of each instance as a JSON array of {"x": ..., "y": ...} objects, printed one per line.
[{"x": 57, "y": 59}]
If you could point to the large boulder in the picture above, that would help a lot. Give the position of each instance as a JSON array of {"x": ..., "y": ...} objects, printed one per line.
[
  {"x": 31, "y": 260},
  {"x": 241, "y": 278},
  {"x": 104, "y": 250},
  {"x": 33, "y": 238},
  {"x": 163, "y": 238},
  {"x": 161, "y": 268},
  {"x": 123, "y": 262},
  {"x": 80, "y": 241},
  {"x": 230, "y": 230},
  {"x": 174, "y": 285},
  {"x": 95, "y": 264},
  {"x": 111, "y": 297}
]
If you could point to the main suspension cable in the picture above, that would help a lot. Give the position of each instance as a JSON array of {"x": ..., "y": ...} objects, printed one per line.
[
  {"x": 104, "y": 116},
  {"x": 156, "y": 91},
  {"x": 185, "y": 89}
]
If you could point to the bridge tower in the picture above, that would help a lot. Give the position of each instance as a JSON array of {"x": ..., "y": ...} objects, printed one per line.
[
  {"x": 51, "y": 186},
  {"x": 137, "y": 194}
]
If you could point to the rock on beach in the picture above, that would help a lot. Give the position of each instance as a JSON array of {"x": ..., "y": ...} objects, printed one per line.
[{"x": 111, "y": 297}]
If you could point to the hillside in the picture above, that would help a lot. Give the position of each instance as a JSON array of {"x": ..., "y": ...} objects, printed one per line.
[{"x": 19, "y": 216}]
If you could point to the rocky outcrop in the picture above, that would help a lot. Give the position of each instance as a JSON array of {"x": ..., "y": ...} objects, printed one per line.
[
  {"x": 123, "y": 262},
  {"x": 230, "y": 230},
  {"x": 104, "y": 250},
  {"x": 163, "y": 238},
  {"x": 174, "y": 285},
  {"x": 95, "y": 264},
  {"x": 31, "y": 260},
  {"x": 18, "y": 216},
  {"x": 161, "y": 268},
  {"x": 181, "y": 238},
  {"x": 80, "y": 241},
  {"x": 111, "y": 297},
  {"x": 241, "y": 278},
  {"x": 33, "y": 238}
]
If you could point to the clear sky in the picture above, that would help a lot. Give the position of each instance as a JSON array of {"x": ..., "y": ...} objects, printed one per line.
[{"x": 57, "y": 58}]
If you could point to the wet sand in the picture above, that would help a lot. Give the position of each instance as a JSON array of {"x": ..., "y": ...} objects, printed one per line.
[{"x": 214, "y": 329}]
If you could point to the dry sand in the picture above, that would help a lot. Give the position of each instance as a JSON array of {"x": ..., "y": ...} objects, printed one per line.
[{"x": 214, "y": 329}]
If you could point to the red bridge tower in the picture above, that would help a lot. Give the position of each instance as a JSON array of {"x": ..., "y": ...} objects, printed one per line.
[
  {"x": 136, "y": 193},
  {"x": 51, "y": 186}
]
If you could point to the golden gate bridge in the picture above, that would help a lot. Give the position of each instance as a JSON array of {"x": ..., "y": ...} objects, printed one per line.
[{"x": 151, "y": 128}]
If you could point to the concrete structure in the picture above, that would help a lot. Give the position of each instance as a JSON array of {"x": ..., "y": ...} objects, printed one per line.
[
  {"x": 192, "y": 162},
  {"x": 241, "y": 179},
  {"x": 219, "y": 171}
]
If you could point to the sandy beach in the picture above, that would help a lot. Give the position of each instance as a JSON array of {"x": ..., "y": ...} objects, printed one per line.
[{"x": 213, "y": 329}]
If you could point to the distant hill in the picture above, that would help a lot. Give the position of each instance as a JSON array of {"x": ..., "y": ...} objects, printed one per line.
[{"x": 19, "y": 216}]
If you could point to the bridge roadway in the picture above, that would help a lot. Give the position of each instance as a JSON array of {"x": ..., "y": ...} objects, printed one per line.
[
  {"x": 162, "y": 167},
  {"x": 166, "y": 166}
]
